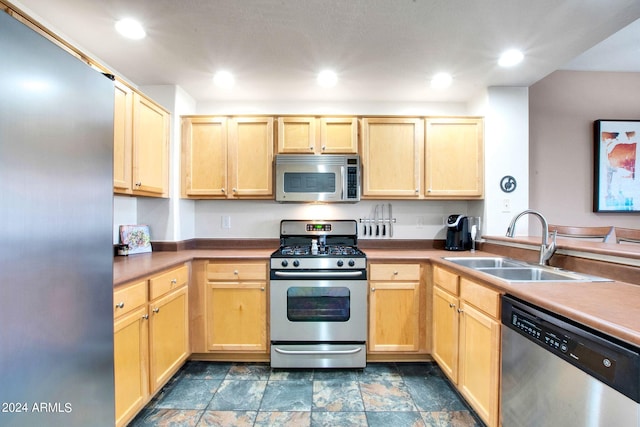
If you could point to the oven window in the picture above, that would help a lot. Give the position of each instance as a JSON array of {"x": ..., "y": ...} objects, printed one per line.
[
  {"x": 326, "y": 304},
  {"x": 309, "y": 182}
]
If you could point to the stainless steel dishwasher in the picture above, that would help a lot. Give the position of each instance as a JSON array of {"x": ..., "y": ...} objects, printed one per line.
[{"x": 556, "y": 372}]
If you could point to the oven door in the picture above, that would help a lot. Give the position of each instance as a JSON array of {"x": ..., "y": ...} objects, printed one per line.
[{"x": 318, "y": 310}]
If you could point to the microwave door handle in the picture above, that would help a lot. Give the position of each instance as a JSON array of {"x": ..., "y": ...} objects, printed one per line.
[{"x": 344, "y": 182}]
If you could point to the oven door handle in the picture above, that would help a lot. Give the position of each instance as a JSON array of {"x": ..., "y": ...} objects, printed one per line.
[
  {"x": 318, "y": 274},
  {"x": 307, "y": 352}
]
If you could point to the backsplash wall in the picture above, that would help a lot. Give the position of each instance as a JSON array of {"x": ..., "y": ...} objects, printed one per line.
[{"x": 261, "y": 219}]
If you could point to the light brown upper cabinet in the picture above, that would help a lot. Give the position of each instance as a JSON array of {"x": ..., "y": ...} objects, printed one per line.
[
  {"x": 122, "y": 138},
  {"x": 391, "y": 157},
  {"x": 454, "y": 157},
  {"x": 311, "y": 135},
  {"x": 227, "y": 157},
  {"x": 141, "y": 145}
]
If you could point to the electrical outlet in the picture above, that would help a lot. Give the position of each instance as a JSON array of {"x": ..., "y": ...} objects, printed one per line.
[
  {"x": 506, "y": 205},
  {"x": 420, "y": 222},
  {"x": 226, "y": 222}
]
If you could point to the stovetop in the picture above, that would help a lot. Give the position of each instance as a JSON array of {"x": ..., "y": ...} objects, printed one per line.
[
  {"x": 323, "y": 251},
  {"x": 335, "y": 241}
]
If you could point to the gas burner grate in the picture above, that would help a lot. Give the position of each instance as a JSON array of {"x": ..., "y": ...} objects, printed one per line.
[{"x": 331, "y": 250}]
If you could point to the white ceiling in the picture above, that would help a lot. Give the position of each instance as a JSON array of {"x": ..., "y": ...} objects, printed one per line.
[{"x": 382, "y": 50}]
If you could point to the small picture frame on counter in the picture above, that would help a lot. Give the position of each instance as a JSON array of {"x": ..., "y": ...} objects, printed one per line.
[{"x": 136, "y": 238}]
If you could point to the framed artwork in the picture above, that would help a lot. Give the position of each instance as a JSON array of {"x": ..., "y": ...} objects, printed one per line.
[{"x": 617, "y": 156}]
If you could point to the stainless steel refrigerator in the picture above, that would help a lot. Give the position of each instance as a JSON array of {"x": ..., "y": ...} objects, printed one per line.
[{"x": 56, "y": 254}]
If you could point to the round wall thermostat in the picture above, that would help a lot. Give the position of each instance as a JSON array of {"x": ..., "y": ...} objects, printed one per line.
[{"x": 508, "y": 184}]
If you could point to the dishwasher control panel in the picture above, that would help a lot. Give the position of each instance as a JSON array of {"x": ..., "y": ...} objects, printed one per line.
[
  {"x": 537, "y": 331},
  {"x": 612, "y": 361}
]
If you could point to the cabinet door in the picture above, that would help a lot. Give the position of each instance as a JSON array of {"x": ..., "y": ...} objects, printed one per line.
[
  {"x": 338, "y": 135},
  {"x": 204, "y": 156},
  {"x": 251, "y": 157},
  {"x": 391, "y": 157},
  {"x": 236, "y": 316},
  {"x": 454, "y": 157},
  {"x": 394, "y": 321},
  {"x": 122, "y": 138},
  {"x": 168, "y": 335},
  {"x": 297, "y": 135},
  {"x": 480, "y": 362},
  {"x": 150, "y": 148},
  {"x": 130, "y": 361},
  {"x": 445, "y": 332}
]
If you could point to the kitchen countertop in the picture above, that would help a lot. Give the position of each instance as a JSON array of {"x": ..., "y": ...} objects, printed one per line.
[{"x": 610, "y": 307}]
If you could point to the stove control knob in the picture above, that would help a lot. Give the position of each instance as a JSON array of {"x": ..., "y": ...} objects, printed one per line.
[
  {"x": 296, "y": 263},
  {"x": 340, "y": 263},
  {"x": 351, "y": 263},
  {"x": 284, "y": 263}
]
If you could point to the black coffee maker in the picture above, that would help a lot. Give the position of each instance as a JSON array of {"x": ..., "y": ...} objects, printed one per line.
[{"x": 458, "y": 236}]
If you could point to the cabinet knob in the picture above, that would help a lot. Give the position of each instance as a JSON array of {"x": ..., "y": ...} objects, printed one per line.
[
  {"x": 223, "y": 190},
  {"x": 145, "y": 317},
  {"x": 311, "y": 148},
  {"x": 451, "y": 305},
  {"x": 373, "y": 289},
  {"x": 395, "y": 273},
  {"x": 120, "y": 304},
  {"x": 236, "y": 272},
  {"x": 417, "y": 190},
  {"x": 174, "y": 281},
  {"x": 460, "y": 310},
  {"x": 262, "y": 289},
  {"x": 138, "y": 184},
  {"x": 234, "y": 190},
  {"x": 156, "y": 310},
  {"x": 324, "y": 147}
]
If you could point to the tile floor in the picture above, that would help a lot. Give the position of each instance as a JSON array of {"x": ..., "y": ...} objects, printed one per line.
[{"x": 252, "y": 394}]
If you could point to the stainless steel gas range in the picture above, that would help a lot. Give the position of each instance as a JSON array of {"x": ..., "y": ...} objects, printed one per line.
[{"x": 318, "y": 296}]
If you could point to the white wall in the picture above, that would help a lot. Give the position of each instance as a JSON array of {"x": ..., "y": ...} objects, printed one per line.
[
  {"x": 506, "y": 153},
  {"x": 261, "y": 219}
]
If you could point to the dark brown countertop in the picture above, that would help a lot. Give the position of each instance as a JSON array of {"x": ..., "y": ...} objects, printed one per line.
[
  {"x": 610, "y": 307},
  {"x": 137, "y": 266}
]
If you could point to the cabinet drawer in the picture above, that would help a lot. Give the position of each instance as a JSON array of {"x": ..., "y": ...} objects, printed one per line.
[
  {"x": 129, "y": 297},
  {"x": 237, "y": 271},
  {"x": 165, "y": 282},
  {"x": 480, "y": 296},
  {"x": 394, "y": 272},
  {"x": 446, "y": 280}
]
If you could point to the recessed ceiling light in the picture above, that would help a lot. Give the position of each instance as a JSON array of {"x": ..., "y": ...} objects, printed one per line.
[
  {"x": 130, "y": 28},
  {"x": 441, "y": 81},
  {"x": 327, "y": 78},
  {"x": 510, "y": 58},
  {"x": 224, "y": 79}
]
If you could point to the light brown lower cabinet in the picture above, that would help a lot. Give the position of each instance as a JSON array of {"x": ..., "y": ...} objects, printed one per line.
[
  {"x": 466, "y": 340},
  {"x": 229, "y": 310},
  {"x": 151, "y": 338},
  {"x": 131, "y": 360},
  {"x": 397, "y": 320}
]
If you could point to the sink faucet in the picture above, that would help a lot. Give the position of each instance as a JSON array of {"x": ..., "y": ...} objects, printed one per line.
[{"x": 546, "y": 249}]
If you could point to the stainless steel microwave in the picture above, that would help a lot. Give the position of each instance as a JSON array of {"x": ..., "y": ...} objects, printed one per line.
[{"x": 317, "y": 178}]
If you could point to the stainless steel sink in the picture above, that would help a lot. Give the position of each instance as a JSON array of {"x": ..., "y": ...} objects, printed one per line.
[
  {"x": 485, "y": 262},
  {"x": 512, "y": 270},
  {"x": 533, "y": 274}
]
